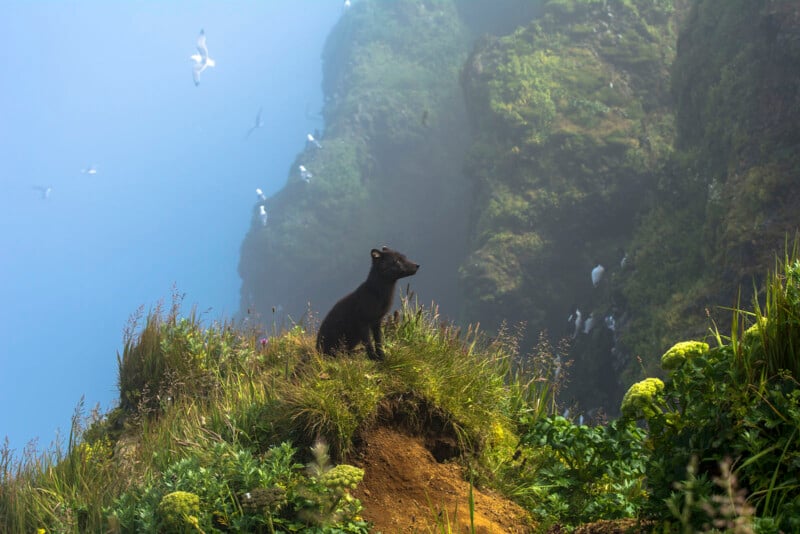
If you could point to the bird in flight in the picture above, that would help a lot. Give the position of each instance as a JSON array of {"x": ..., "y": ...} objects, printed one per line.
[
  {"x": 45, "y": 191},
  {"x": 201, "y": 60},
  {"x": 258, "y": 124}
]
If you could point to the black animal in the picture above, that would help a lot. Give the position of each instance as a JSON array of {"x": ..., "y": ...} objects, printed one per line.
[{"x": 352, "y": 318}]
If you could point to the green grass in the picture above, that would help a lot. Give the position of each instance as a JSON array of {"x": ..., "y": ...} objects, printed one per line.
[{"x": 219, "y": 394}]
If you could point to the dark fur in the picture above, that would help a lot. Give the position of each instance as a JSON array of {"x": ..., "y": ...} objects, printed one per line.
[{"x": 351, "y": 320}]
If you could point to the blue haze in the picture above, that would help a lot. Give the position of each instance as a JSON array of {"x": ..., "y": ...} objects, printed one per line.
[{"x": 110, "y": 84}]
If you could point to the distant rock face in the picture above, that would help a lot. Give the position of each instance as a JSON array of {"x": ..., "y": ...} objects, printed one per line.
[
  {"x": 389, "y": 171},
  {"x": 512, "y": 150},
  {"x": 727, "y": 196},
  {"x": 571, "y": 121}
]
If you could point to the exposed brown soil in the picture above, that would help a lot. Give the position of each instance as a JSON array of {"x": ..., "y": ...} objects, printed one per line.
[
  {"x": 617, "y": 526},
  {"x": 406, "y": 490}
]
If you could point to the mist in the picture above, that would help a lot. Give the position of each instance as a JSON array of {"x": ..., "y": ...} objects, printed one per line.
[{"x": 108, "y": 86}]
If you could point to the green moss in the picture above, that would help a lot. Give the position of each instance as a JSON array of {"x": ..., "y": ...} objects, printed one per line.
[
  {"x": 497, "y": 270},
  {"x": 572, "y": 121},
  {"x": 722, "y": 205}
]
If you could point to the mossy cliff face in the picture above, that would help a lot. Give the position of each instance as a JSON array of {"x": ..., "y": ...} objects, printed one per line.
[
  {"x": 388, "y": 172},
  {"x": 571, "y": 122},
  {"x": 510, "y": 147},
  {"x": 727, "y": 200}
]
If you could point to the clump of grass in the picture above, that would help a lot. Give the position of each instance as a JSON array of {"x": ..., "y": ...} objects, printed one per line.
[{"x": 775, "y": 343}]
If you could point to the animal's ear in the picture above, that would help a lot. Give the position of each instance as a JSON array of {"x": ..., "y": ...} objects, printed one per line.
[{"x": 376, "y": 253}]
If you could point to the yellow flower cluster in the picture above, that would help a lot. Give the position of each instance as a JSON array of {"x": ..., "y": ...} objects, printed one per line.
[
  {"x": 343, "y": 477},
  {"x": 178, "y": 513},
  {"x": 640, "y": 400},
  {"x": 752, "y": 335},
  {"x": 680, "y": 352},
  {"x": 97, "y": 452}
]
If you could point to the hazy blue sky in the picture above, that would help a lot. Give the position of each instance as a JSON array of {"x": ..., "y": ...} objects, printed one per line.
[{"x": 109, "y": 83}]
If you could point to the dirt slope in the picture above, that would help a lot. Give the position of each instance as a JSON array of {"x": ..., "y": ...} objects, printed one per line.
[{"x": 405, "y": 490}]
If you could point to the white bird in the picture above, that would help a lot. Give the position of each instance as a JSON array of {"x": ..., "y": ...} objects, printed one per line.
[
  {"x": 260, "y": 194},
  {"x": 201, "y": 60},
  {"x": 611, "y": 323},
  {"x": 263, "y": 215},
  {"x": 624, "y": 261},
  {"x": 312, "y": 140},
  {"x": 578, "y": 323},
  {"x": 44, "y": 190},
  {"x": 91, "y": 169},
  {"x": 305, "y": 174},
  {"x": 597, "y": 274},
  {"x": 346, "y": 3},
  {"x": 258, "y": 124},
  {"x": 589, "y": 324}
]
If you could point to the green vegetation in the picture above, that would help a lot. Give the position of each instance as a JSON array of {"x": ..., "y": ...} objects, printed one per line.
[
  {"x": 576, "y": 473},
  {"x": 682, "y": 351},
  {"x": 254, "y": 434},
  {"x": 577, "y": 155},
  {"x": 522, "y": 143},
  {"x": 177, "y": 513},
  {"x": 736, "y": 403},
  {"x": 213, "y": 424},
  {"x": 571, "y": 124},
  {"x": 723, "y": 202}
]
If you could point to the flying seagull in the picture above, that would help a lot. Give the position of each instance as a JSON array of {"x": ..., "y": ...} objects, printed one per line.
[
  {"x": 201, "y": 60},
  {"x": 261, "y": 194},
  {"x": 91, "y": 169},
  {"x": 44, "y": 190},
  {"x": 258, "y": 124}
]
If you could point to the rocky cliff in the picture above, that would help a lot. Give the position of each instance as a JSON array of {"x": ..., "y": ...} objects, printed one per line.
[{"x": 511, "y": 148}]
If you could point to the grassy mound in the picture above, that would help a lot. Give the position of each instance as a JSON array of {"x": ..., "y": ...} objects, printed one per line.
[{"x": 245, "y": 429}]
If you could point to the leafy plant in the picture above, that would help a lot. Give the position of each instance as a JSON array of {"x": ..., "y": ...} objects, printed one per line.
[
  {"x": 739, "y": 400},
  {"x": 583, "y": 473}
]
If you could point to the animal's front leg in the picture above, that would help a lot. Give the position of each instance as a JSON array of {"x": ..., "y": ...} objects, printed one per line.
[
  {"x": 363, "y": 337},
  {"x": 378, "y": 335}
]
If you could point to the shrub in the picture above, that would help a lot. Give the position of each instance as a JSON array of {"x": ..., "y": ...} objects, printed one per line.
[
  {"x": 739, "y": 400},
  {"x": 583, "y": 473}
]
